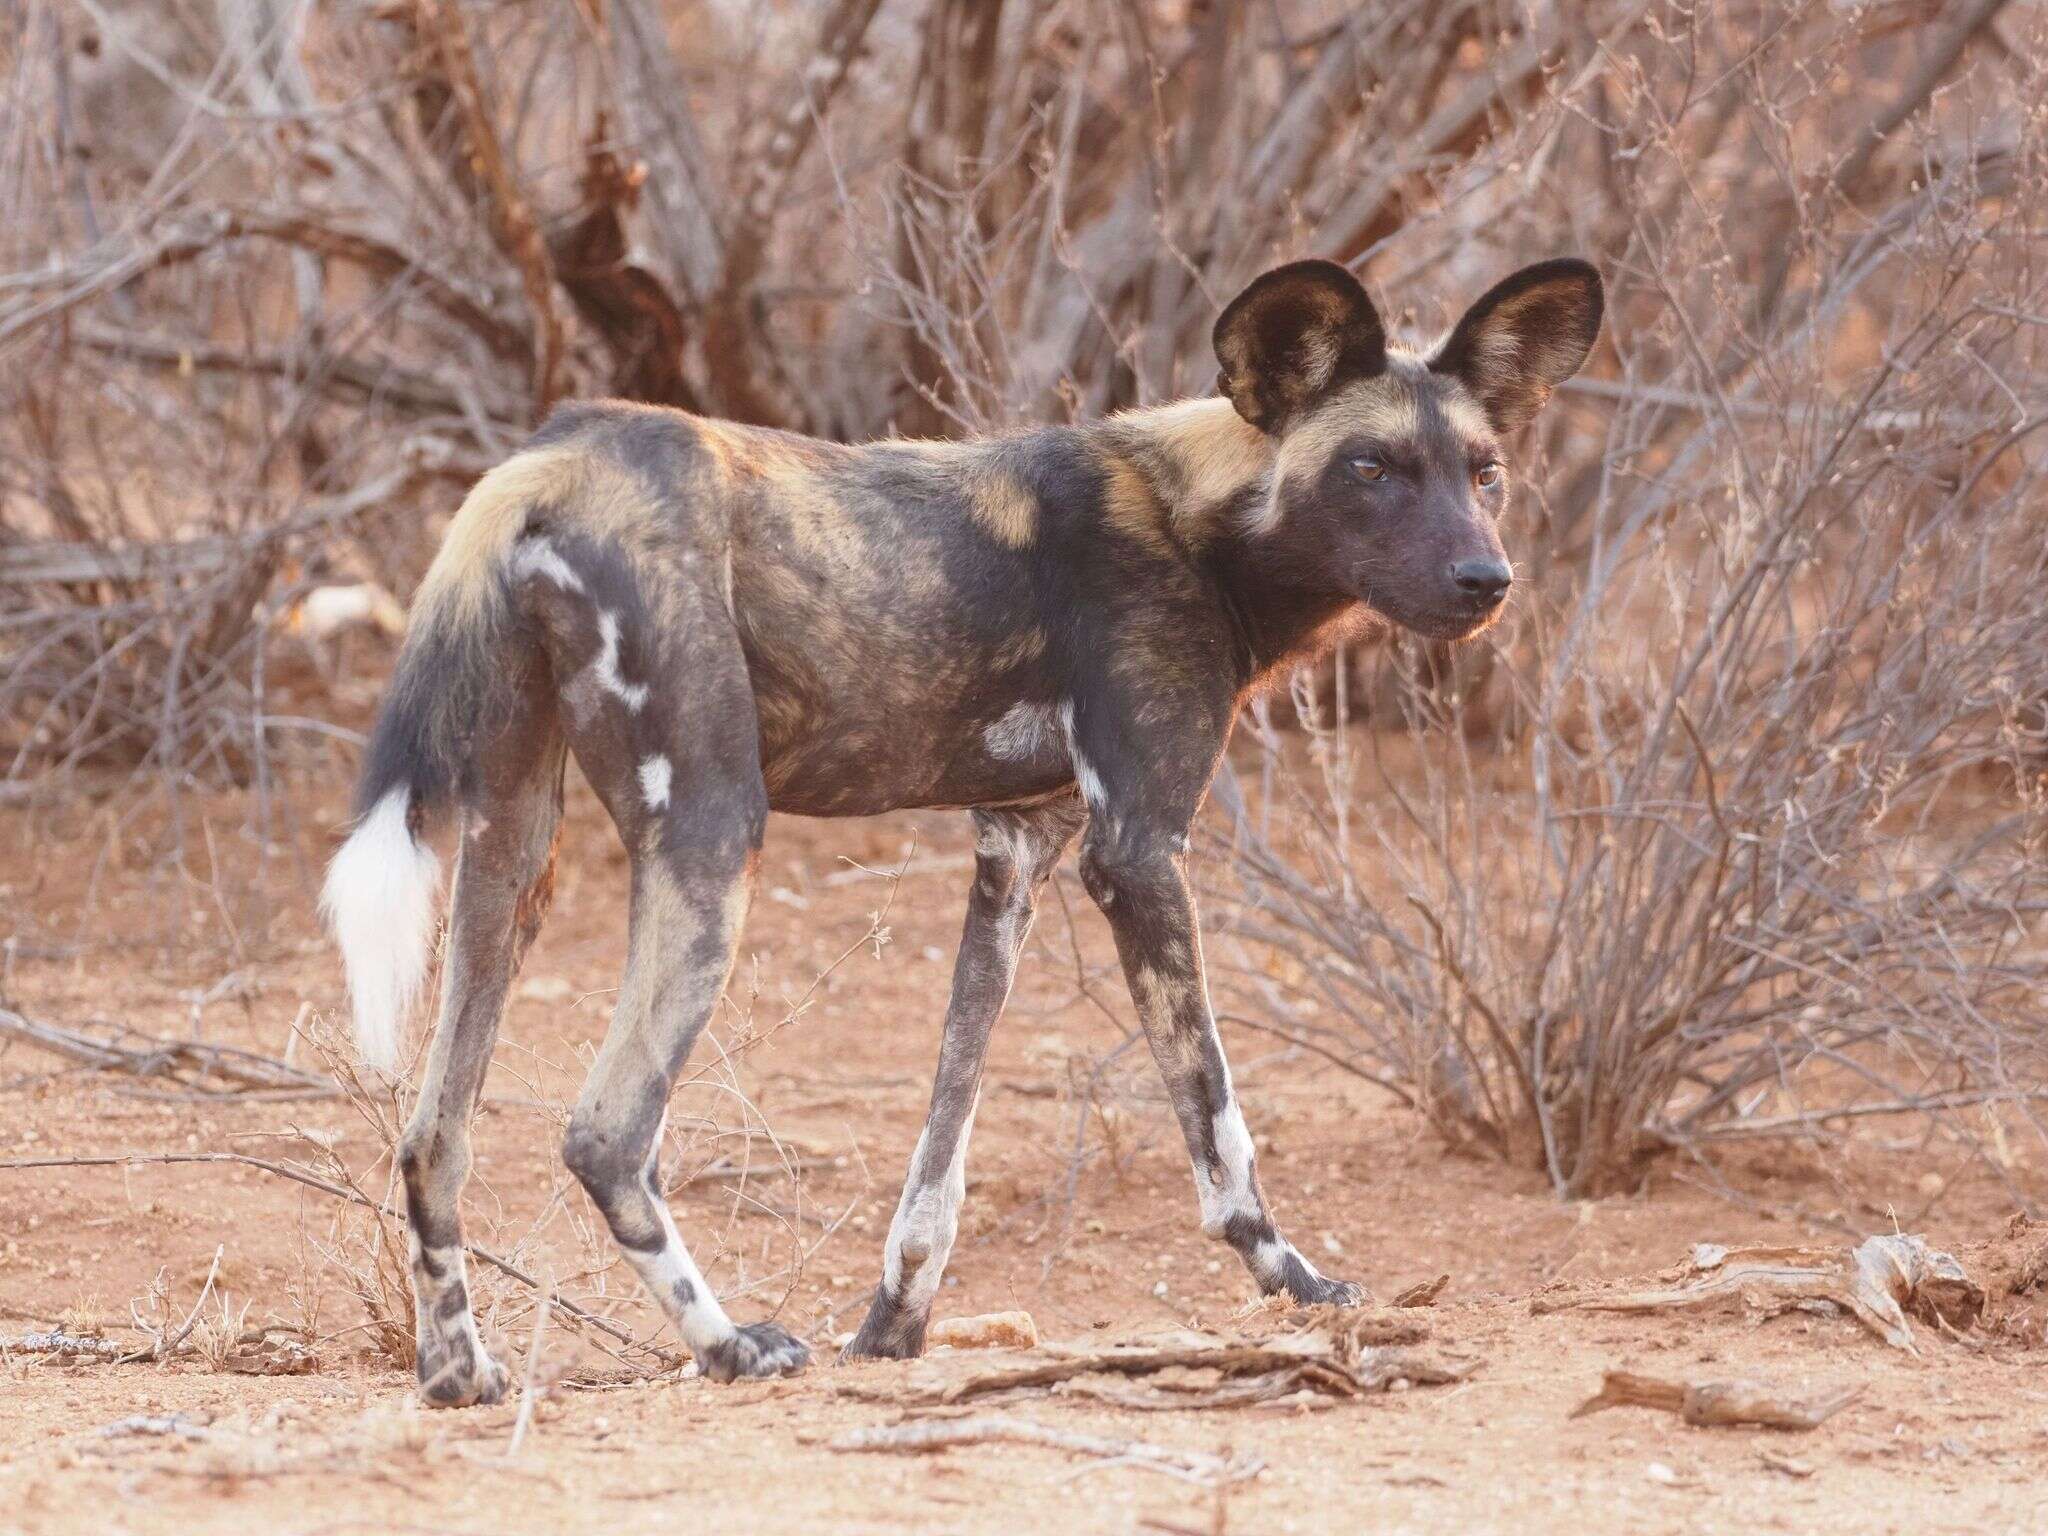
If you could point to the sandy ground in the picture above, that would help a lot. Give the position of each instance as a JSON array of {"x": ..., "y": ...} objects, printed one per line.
[{"x": 1083, "y": 1216}]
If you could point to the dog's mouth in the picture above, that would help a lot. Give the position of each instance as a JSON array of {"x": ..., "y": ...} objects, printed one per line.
[{"x": 1457, "y": 620}]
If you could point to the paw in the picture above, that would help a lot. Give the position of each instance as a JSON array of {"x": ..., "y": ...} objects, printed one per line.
[
  {"x": 1300, "y": 1281},
  {"x": 461, "y": 1377},
  {"x": 889, "y": 1333},
  {"x": 1322, "y": 1291},
  {"x": 754, "y": 1350}
]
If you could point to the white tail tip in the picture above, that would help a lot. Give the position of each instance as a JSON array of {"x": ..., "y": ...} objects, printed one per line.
[{"x": 380, "y": 902}]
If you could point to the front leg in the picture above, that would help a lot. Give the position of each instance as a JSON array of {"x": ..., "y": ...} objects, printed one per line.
[
  {"x": 1133, "y": 868},
  {"x": 1014, "y": 852}
]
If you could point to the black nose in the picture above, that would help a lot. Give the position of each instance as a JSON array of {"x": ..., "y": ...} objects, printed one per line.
[{"x": 1484, "y": 581}]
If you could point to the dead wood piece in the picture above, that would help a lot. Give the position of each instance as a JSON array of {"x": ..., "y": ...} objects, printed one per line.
[
  {"x": 1733, "y": 1278},
  {"x": 1242, "y": 1392},
  {"x": 2031, "y": 1274},
  {"x": 1384, "y": 1369},
  {"x": 1930, "y": 1284},
  {"x": 1268, "y": 1370},
  {"x": 1348, "y": 1330},
  {"x": 206, "y": 1069},
  {"x": 947, "y": 1434},
  {"x": 176, "y": 1425},
  {"x": 1716, "y": 1404},
  {"x": 1229, "y": 1359},
  {"x": 1879, "y": 1282},
  {"x": 270, "y": 1357},
  {"x": 1791, "y": 1466},
  {"x": 1423, "y": 1294},
  {"x": 63, "y": 1345},
  {"x": 994, "y": 1330}
]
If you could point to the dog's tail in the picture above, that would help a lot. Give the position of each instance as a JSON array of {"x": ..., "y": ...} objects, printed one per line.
[{"x": 380, "y": 899}]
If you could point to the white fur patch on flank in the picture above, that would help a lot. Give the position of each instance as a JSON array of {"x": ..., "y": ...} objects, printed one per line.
[
  {"x": 1025, "y": 733},
  {"x": 1092, "y": 788},
  {"x": 537, "y": 557},
  {"x": 634, "y": 695},
  {"x": 655, "y": 774},
  {"x": 379, "y": 902}
]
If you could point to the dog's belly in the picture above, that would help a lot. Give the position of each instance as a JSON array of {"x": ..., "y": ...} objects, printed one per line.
[{"x": 857, "y": 762}]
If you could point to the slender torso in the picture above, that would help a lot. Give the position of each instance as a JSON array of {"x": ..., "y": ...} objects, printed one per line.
[{"x": 919, "y": 619}]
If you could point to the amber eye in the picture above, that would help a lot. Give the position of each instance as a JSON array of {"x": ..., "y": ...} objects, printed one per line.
[
  {"x": 1488, "y": 475},
  {"x": 1366, "y": 467}
]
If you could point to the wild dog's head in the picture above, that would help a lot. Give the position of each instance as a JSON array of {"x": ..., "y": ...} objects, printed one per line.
[{"x": 1389, "y": 480}]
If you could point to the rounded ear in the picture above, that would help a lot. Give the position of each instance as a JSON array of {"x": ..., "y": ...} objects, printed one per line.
[
  {"x": 1293, "y": 335},
  {"x": 1528, "y": 335}
]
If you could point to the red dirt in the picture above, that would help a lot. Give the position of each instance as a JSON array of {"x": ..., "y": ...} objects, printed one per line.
[{"x": 100, "y": 931}]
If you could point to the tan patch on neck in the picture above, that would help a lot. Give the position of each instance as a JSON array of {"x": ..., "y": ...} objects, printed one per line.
[
  {"x": 1217, "y": 450},
  {"x": 1130, "y": 507},
  {"x": 1204, "y": 454},
  {"x": 1003, "y": 506},
  {"x": 807, "y": 505}
]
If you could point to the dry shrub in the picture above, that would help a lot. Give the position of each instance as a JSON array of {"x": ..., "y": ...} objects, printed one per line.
[
  {"x": 1735, "y": 827},
  {"x": 312, "y": 267}
]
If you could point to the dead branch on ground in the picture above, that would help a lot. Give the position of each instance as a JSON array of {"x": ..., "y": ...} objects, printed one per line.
[
  {"x": 1878, "y": 1282},
  {"x": 986, "y": 1429},
  {"x": 208, "y": 1071},
  {"x": 1717, "y": 1404}
]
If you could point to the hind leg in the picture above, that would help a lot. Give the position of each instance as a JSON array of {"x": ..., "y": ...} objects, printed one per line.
[
  {"x": 689, "y": 900},
  {"x": 680, "y": 773},
  {"x": 504, "y": 879},
  {"x": 690, "y": 894}
]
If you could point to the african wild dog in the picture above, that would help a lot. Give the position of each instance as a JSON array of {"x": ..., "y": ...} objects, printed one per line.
[{"x": 1053, "y": 629}]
